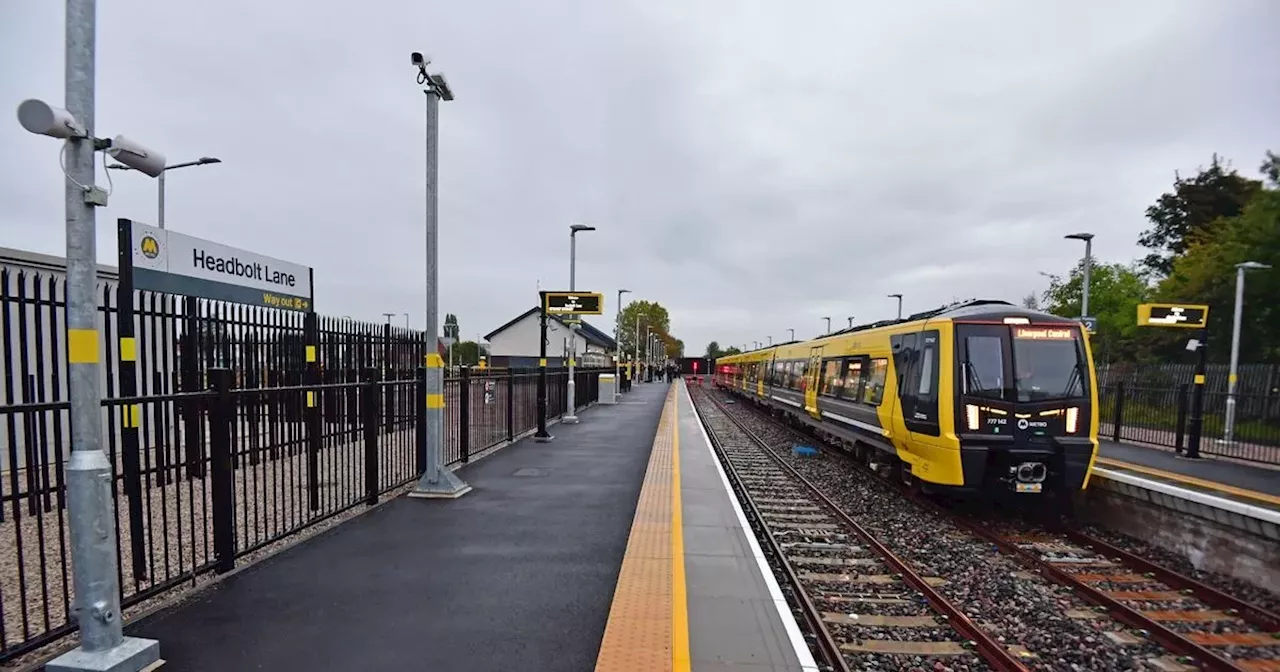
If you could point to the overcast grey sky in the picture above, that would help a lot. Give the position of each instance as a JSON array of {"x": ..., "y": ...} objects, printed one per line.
[{"x": 752, "y": 166}]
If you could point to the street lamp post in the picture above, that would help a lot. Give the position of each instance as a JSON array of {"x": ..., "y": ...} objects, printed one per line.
[
  {"x": 1228, "y": 429},
  {"x": 406, "y": 320},
  {"x": 202, "y": 161},
  {"x": 792, "y": 332},
  {"x": 1088, "y": 263},
  {"x": 617, "y": 347},
  {"x": 828, "y": 324},
  {"x": 571, "y": 417},
  {"x": 899, "y": 298},
  {"x": 850, "y": 318},
  {"x": 437, "y": 480}
]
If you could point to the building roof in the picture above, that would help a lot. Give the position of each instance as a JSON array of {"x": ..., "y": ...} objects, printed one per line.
[{"x": 588, "y": 331}]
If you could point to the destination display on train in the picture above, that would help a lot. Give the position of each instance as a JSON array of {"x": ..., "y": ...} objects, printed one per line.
[{"x": 1044, "y": 333}]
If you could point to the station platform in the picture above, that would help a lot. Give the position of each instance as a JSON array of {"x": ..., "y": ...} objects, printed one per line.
[
  {"x": 1257, "y": 485},
  {"x": 615, "y": 546}
]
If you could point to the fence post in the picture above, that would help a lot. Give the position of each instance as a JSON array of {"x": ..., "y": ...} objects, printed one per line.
[
  {"x": 192, "y": 408},
  {"x": 369, "y": 416},
  {"x": 1182, "y": 418},
  {"x": 464, "y": 413},
  {"x": 221, "y": 421},
  {"x": 511, "y": 404},
  {"x": 130, "y": 412},
  {"x": 420, "y": 421},
  {"x": 312, "y": 412},
  {"x": 1118, "y": 420},
  {"x": 389, "y": 391}
]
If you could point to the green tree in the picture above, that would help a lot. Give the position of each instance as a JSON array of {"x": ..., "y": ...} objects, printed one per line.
[
  {"x": 650, "y": 314},
  {"x": 1193, "y": 206},
  {"x": 451, "y": 326},
  {"x": 465, "y": 353},
  {"x": 1030, "y": 302},
  {"x": 1206, "y": 273},
  {"x": 1115, "y": 290},
  {"x": 1271, "y": 168}
]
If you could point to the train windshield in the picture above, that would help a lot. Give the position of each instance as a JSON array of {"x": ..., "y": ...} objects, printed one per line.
[
  {"x": 1022, "y": 363},
  {"x": 1047, "y": 363}
]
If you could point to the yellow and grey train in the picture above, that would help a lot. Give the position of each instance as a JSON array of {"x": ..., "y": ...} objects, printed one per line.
[{"x": 976, "y": 397}]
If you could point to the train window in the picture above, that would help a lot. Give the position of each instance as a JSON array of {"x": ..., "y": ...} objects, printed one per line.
[
  {"x": 831, "y": 377},
  {"x": 852, "y": 389},
  {"x": 874, "y": 391},
  {"x": 983, "y": 373},
  {"x": 926, "y": 371},
  {"x": 779, "y": 373}
]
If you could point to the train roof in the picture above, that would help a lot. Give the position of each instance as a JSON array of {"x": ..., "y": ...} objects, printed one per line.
[{"x": 972, "y": 309}]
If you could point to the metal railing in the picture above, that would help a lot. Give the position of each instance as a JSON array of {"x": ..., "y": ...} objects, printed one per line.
[
  {"x": 230, "y": 442},
  {"x": 1160, "y": 416}
]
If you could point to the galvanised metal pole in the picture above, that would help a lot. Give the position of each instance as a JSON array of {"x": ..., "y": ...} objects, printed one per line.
[
  {"x": 91, "y": 508},
  {"x": 617, "y": 348},
  {"x": 635, "y": 375},
  {"x": 1088, "y": 264},
  {"x": 571, "y": 403},
  {"x": 438, "y": 480},
  {"x": 1229, "y": 426}
]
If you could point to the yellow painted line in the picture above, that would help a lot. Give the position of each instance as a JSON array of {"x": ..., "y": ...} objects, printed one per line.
[
  {"x": 680, "y": 657},
  {"x": 639, "y": 634},
  {"x": 1192, "y": 480},
  {"x": 82, "y": 346}
]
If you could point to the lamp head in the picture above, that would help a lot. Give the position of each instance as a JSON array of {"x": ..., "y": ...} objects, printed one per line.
[
  {"x": 1079, "y": 236},
  {"x": 895, "y": 296},
  {"x": 1253, "y": 266},
  {"x": 574, "y": 228},
  {"x": 206, "y": 160}
]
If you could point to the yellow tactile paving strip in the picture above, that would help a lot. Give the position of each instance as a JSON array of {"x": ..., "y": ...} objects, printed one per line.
[{"x": 648, "y": 625}]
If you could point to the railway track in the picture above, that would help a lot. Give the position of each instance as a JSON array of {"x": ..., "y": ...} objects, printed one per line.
[
  {"x": 1198, "y": 626},
  {"x": 1214, "y": 630},
  {"x": 867, "y": 608}
]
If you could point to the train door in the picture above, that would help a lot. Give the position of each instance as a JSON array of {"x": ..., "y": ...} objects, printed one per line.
[
  {"x": 813, "y": 381},
  {"x": 915, "y": 360}
]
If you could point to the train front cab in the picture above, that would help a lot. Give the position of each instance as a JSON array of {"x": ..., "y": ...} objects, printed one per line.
[{"x": 1025, "y": 404}]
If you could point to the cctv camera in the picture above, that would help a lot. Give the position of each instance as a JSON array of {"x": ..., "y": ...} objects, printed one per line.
[
  {"x": 41, "y": 118},
  {"x": 136, "y": 156},
  {"x": 416, "y": 59}
]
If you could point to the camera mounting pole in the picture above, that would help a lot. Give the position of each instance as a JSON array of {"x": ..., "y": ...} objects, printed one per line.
[{"x": 103, "y": 646}]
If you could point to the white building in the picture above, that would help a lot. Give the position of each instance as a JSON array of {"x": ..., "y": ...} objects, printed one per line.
[{"x": 515, "y": 344}]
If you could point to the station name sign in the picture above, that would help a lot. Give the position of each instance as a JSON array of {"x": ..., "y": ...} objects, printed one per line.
[
  {"x": 163, "y": 260},
  {"x": 1187, "y": 316},
  {"x": 573, "y": 303}
]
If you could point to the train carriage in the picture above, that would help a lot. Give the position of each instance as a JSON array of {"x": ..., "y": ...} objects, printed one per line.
[{"x": 980, "y": 396}]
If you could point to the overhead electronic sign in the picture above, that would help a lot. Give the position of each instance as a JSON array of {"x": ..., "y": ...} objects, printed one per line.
[
  {"x": 1186, "y": 316},
  {"x": 573, "y": 303}
]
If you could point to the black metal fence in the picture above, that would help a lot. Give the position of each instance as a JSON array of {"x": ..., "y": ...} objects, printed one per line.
[
  {"x": 1160, "y": 416},
  {"x": 241, "y": 426}
]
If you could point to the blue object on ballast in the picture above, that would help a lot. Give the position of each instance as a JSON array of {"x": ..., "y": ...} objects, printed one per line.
[{"x": 804, "y": 451}]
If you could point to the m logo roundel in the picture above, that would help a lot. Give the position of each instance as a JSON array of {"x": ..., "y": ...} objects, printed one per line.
[{"x": 150, "y": 247}]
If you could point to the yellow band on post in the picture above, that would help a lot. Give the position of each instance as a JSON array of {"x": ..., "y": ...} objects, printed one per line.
[
  {"x": 130, "y": 416},
  {"x": 82, "y": 346},
  {"x": 1199, "y": 379},
  {"x": 435, "y": 401},
  {"x": 128, "y": 349},
  {"x": 311, "y": 399},
  {"x": 434, "y": 361},
  {"x": 542, "y": 362},
  {"x": 311, "y": 353}
]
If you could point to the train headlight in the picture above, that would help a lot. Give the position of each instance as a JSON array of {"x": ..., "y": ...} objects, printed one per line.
[
  {"x": 1073, "y": 419},
  {"x": 971, "y": 413}
]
